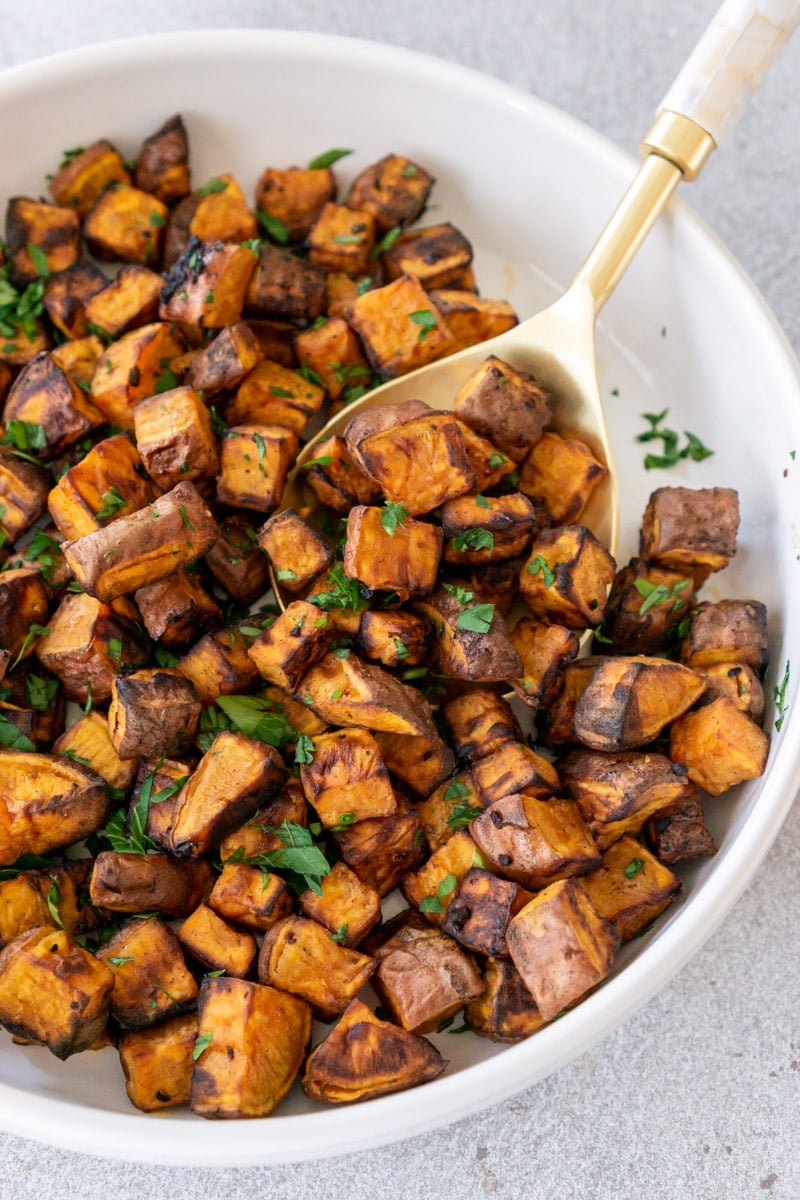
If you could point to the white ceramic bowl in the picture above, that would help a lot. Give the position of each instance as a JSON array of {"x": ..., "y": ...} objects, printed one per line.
[{"x": 686, "y": 331}]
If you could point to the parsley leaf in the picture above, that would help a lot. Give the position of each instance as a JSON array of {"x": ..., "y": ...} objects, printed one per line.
[
  {"x": 343, "y": 592},
  {"x": 633, "y": 868},
  {"x": 113, "y": 501},
  {"x": 327, "y": 159},
  {"x": 779, "y": 696},
  {"x": 474, "y": 539},
  {"x": 425, "y": 319},
  {"x": 433, "y": 904},
  {"x": 392, "y": 515},
  {"x": 670, "y": 451},
  {"x": 304, "y": 750},
  {"x": 659, "y": 593},
  {"x": 258, "y": 718},
  {"x": 539, "y": 565},
  {"x": 214, "y": 185},
  {"x": 202, "y": 1042},
  {"x": 274, "y": 228},
  {"x": 461, "y": 814},
  {"x": 477, "y": 619}
]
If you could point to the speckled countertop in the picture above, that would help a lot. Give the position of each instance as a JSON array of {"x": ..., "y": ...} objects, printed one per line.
[{"x": 698, "y": 1096}]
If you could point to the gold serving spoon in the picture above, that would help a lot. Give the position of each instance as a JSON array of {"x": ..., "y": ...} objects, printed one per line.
[{"x": 557, "y": 345}]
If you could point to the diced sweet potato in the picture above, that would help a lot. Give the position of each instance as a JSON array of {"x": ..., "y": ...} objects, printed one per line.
[
  {"x": 349, "y": 691},
  {"x": 219, "y": 665},
  {"x": 335, "y": 477},
  {"x": 85, "y": 174},
  {"x": 544, "y": 651},
  {"x": 208, "y": 284},
  {"x": 254, "y": 464},
  {"x": 631, "y": 887},
  {"x": 87, "y": 644},
  {"x": 297, "y": 552},
  {"x": 390, "y": 554},
  {"x": 157, "y": 1063},
  {"x": 739, "y": 683},
  {"x": 394, "y": 190},
  {"x": 23, "y": 603},
  {"x": 479, "y": 912},
  {"x": 46, "y": 802},
  {"x": 152, "y": 711},
  {"x": 47, "y": 897},
  {"x": 506, "y": 1012},
  {"x": 381, "y": 850},
  {"x": 216, "y": 944},
  {"x": 346, "y": 780},
  {"x": 332, "y": 351},
  {"x": 480, "y": 529},
  {"x": 680, "y": 832},
  {"x": 450, "y": 807},
  {"x": 533, "y": 841},
  {"x": 130, "y": 300},
  {"x": 126, "y": 223},
  {"x": 177, "y": 610},
  {"x": 300, "y": 956},
  {"x": 67, "y": 294},
  {"x": 504, "y": 405},
  {"x": 88, "y": 739},
  {"x": 629, "y": 700},
  {"x": 470, "y": 318},
  {"x": 646, "y": 607},
  {"x": 400, "y": 327},
  {"x": 294, "y": 197},
  {"x": 23, "y": 489},
  {"x": 273, "y": 394},
  {"x": 692, "y": 531},
  {"x": 285, "y": 286},
  {"x": 480, "y": 722},
  {"x": 219, "y": 212},
  {"x": 250, "y": 897},
  {"x": 432, "y": 887},
  {"x": 560, "y": 473},
  {"x": 730, "y": 631},
  {"x": 296, "y": 640},
  {"x": 420, "y": 464},
  {"x": 346, "y": 907},
  {"x": 719, "y": 746},
  {"x": 162, "y": 166},
  {"x": 341, "y": 238},
  {"x": 174, "y": 437},
  {"x": 419, "y": 762},
  {"x": 151, "y": 979},
  {"x": 226, "y": 361},
  {"x": 133, "y": 883},
  {"x": 378, "y": 420},
  {"x": 394, "y": 638},
  {"x": 130, "y": 370},
  {"x": 435, "y": 255},
  {"x": 50, "y": 229},
  {"x": 514, "y": 767},
  {"x": 470, "y": 640},
  {"x": 235, "y": 560},
  {"x": 107, "y": 483},
  {"x": 567, "y": 576}
]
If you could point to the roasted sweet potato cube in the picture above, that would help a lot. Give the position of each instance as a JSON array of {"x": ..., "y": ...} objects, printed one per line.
[
  {"x": 382, "y": 850},
  {"x": 470, "y": 639},
  {"x": 250, "y": 897},
  {"x": 394, "y": 638},
  {"x": 157, "y": 1063},
  {"x": 177, "y": 610},
  {"x": 400, "y": 327},
  {"x": 544, "y": 651},
  {"x": 130, "y": 370},
  {"x": 126, "y": 223},
  {"x": 173, "y": 531},
  {"x": 561, "y": 946},
  {"x": 730, "y": 631},
  {"x": 365, "y": 1057},
  {"x": 646, "y": 606},
  {"x": 52, "y": 231},
  {"x": 514, "y": 767},
  {"x": 151, "y": 979},
  {"x": 479, "y": 912},
  {"x": 23, "y": 494},
  {"x": 424, "y": 977},
  {"x": 346, "y": 907},
  {"x": 680, "y": 832},
  {"x": 349, "y": 691},
  {"x": 46, "y": 897},
  {"x": 471, "y": 319},
  {"x": 216, "y": 944},
  {"x": 560, "y": 473},
  {"x": 273, "y": 394},
  {"x": 299, "y": 716},
  {"x": 394, "y": 190},
  {"x": 296, "y": 640},
  {"x": 567, "y": 576},
  {"x": 506, "y": 1012},
  {"x": 450, "y": 807},
  {"x": 152, "y": 712},
  {"x": 301, "y": 957},
  {"x": 71, "y": 989},
  {"x": 385, "y": 553},
  {"x": 341, "y": 239},
  {"x": 174, "y": 437},
  {"x": 332, "y": 351},
  {"x": 162, "y": 166},
  {"x": 433, "y": 886},
  {"x": 420, "y": 464},
  {"x": 330, "y": 591},
  {"x": 134, "y": 883},
  {"x": 222, "y": 213},
  {"x": 88, "y": 740},
  {"x": 692, "y": 531},
  {"x": 739, "y": 683},
  {"x": 378, "y": 420},
  {"x": 335, "y": 477},
  {"x": 285, "y": 286},
  {"x": 480, "y": 721},
  {"x": 617, "y": 793},
  {"x": 631, "y": 887},
  {"x": 130, "y": 300},
  {"x": 219, "y": 665},
  {"x": 297, "y": 552},
  {"x": 236, "y": 777},
  {"x": 480, "y": 529},
  {"x": 23, "y": 603},
  {"x": 504, "y": 405},
  {"x": 225, "y": 361},
  {"x": 67, "y": 294},
  {"x": 46, "y": 802},
  {"x": 346, "y": 780},
  {"x": 236, "y": 562},
  {"x": 534, "y": 841},
  {"x": 106, "y": 484},
  {"x": 22, "y": 345},
  {"x": 420, "y": 762},
  {"x": 254, "y": 463},
  {"x": 88, "y": 643},
  {"x": 629, "y": 700},
  {"x": 208, "y": 284},
  {"x": 435, "y": 255},
  {"x": 250, "y": 1046},
  {"x": 719, "y": 746},
  {"x": 294, "y": 197},
  {"x": 85, "y": 174}
]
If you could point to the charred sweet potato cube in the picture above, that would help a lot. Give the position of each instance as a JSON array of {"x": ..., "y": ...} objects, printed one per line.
[
  {"x": 534, "y": 841},
  {"x": 157, "y": 1063},
  {"x": 273, "y": 394},
  {"x": 107, "y": 483},
  {"x": 251, "y": 1041},
  {"x": 225, "y": 362},
  {"x": 450, "y": 807},
  {"x": 341, "y": 239},
  {"x": 424, "y": 977},
  {"x": 629, "y": 700},
  {"x": 567, "y": 576},
  {"x": 176, "y": 529},
  {"x": 335, "y": 477},
  {"x": 88, "y": 643},
  {"x": 434, "y": 255},
  {"x": 561, "y": 946},
  {"x": 432, "y": 887},
  {"x": 617, "y": 793},
  {"x": 222, "y": 213},
  {"x": 275, "y": 340},
  {"x": 236, "y": 777},
  {"x": 177, "y": 610},
  {"x": 381, "y": 850},
  {"x": 294, "y": 197},
  {"x": 730, "y": 631},
  {"x": 719, "y": 746},
  {"x": 506, "y": 1012},
  {"x": 480, "y": 722},
  {"x": 504, "y": 405},
  {"x": 162, "y": 165},
  {"x": 219, "y": 665},
  {"x": 151, "y": 979},
  {"x": 389, "y": 554},
  {"x": 208, "y": 284},
  {"x": 514, "y": 767},
  {"x": 496, "y": 583},
  {"x": 126, "y": 223},
  {"x": 296, "y": 640},
  {"x": 85, "y": 174},
  {"x": 254, "y": 463},
  {"x": 23, "y": 494},
  {"x": 134, "y": 883},
  {"x": 53, "y": 231},
  {"x": 250, "y": 897},
  {"x": 129, "y": 301},
  {"x": 216, "y": 944},
  {"x": 481, "y": 529},
  {"x": 680, "y": 831},
  {"x": 301, "y": 957},
  {"x": 130, "y": 369},
  {"x": 691, "y": 531},
  {"x": 22, "y": 345},
  {"x": 43, "y": 394},
  {"x": 332, "y": 351},
  {"x": 285, "y": 286},
  {"x": 345, "y": 906},
  {"x": 164, "y": 778},
  {"x": 420, "y": 464},
  {"x": 236, "y": 562},
  {"x": 420, "y": 763},
  {"x": 297, "y": 552},
  {"x": 630, "y": 888},
  {"x": 23, "y": 603},
  {"x": 645, "y": 607},
  {"x": 349, "y": 691},
  {"x": 544, "y": 651},
  {"x": 479, "y": 912},
  {"x": 400, "y": 327},
  {"x": 88, "y": 740},
  {"x": 394, "y": 190},
  {"x": 472, "y": 319},
  {"x": 378, "y": 420},
  {"x": 174, "y": 437},
  {"x": 53, "y": 992},
  {"x": 67, "y": 295},
  {"x": 346, "y": 780},
  {"x": 739, "y": 683},
  {"x": 394, "y": 638},
  {"x": 39, "y": 897},
  {"x": 560, "y": 473},
  {"x": 153, "y": 711},
  {"x": 365, "y": 1057},
  {"x": 470, "y": 640},
  {"x": 261, "y": 834}
]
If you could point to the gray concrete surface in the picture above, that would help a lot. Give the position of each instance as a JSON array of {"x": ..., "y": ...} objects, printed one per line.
[{"x": 698, "y": 1096}]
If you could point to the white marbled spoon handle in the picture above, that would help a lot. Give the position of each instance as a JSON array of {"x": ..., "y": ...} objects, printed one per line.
[{"x": 728, "y": 64}]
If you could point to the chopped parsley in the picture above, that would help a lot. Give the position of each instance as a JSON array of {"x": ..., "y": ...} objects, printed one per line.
[
  {"x": 671, "y": 453},
  {"x": 659, "y": 593},
  {"x": 214, "y": 185},
  {"x": 779, "y": 696},
  {"x": 392, "y": 515},
  {"x": 633, "y": 868},
  {"x": 274, "y": 228},
  {"x": 476, "y": 619},
  {"x": 113, "y": 501},
  {"x": 474, "y": 539},
  {"x": 540, "y": 565},
  {"x": 425, "y": 319},
  {"x": 202, "y": 1042},
  {"x": 433, "y": 904},
  {"x": 327, "y": 159}
]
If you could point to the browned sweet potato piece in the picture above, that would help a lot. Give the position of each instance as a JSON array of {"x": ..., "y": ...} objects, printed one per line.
[
  {"x": 177, "y": 610},
  {"x": 67, "y": 294},
  {"x": 133, "y": 883},
  {"x": 481, "y": 529},
  {"x": 46, "y": 802},
  {"x": 250, "y": 897},
  {"x": 235, "y": 560},
  {"x": 254, "y": 464},
  {"x": 645, "y": 607},
  {"x": 346, "y": 907},
  {"x": 162, "y": 166},
  {"x": 480, "y": 722},
  {"x": 470, "y": 640},
  {"x": 567, "y": 576},
  {"x": 504, "y": 405},
  {"x": 273, "y": 394},
  {"x": 387, "y": 554},
  {"x": 84, "y": 174},
  {"x": 692, "y": 531},
  {"x": 365, "y": 1057},
  {"x": 285, "y": 286},
  {"x": 470, "y": 318},
  {"x": 251, "y": 1042},
  {"x": 346, "y": 780},
  {"x": 88, "y": 643},
  {"x": 341, "y": 239},
  {"x": 23, "y": 494},
  {"x": 332, "y": 351},
  {"x": 51, "y": 230},
  {"x": 216, "y": 944},
  {"x": 739, "y": 683},
  {"x": 294, "y": 197},
  {"x": 394, "y": 189},
  {"x": 225, "y": 362},
  {"x": 394, "y": 638},
  {"x": 420, "y": 464},
  {"x": 490, "y": 466},
  {"x": 534, "y": 841},
  {"x": 450, "y": 807},
  {"x": 730, "y": 631},
  {"x": 433, "y": 886},
  {"x": 719, "y": 746},
  {"x": 130, "y": 300},
  {"x": 152, "y": 712},
  {"x": 420, "y": 763},
  {"x": 174, "y": 437},
  {"x": 208, "y": 284},
  {"x": 297, "y": 552},
  {"x": 296, "y": 640},
  {"x": 400, "y": 327},
  {"x": 382, "y": 850},
  {"x": 631, "y": 887},
  {"x": 219, "y": 212},
  {"x": 151, "y": 979},
  {"x": 46, "y": 897},
  {"x": 126, "y": 223},
  {"x": 301, "y": 957},
  {"x": 506, "y": 1012},
  {"x": 560, "y": 473},
  {"x": 435, "y": 255},
  {"x": 72, "y": 990},
  {"x": 680, "y": 832},
  {"x": 349, "y": 691},
  {"x": 130, "y": 370},
  {"x": 219, "y": 665},
  {"x": 544, "y": 651},
  {"x": 629, "y": 700},
  {"x": 165, "y": 778},
  {"x": 514, "y": 767},
  {"x": 378, "y": 420},
  {"x": 88, "y": 739},
  {"x": 479, "y": 912},
  {"x": 107, "y": 483},
  {"x": 157, "y": 1063},
  {"x": 23, "y": 344},
  {"x": 23, "y": 603},
  {"x": 335, "y": 477}
]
